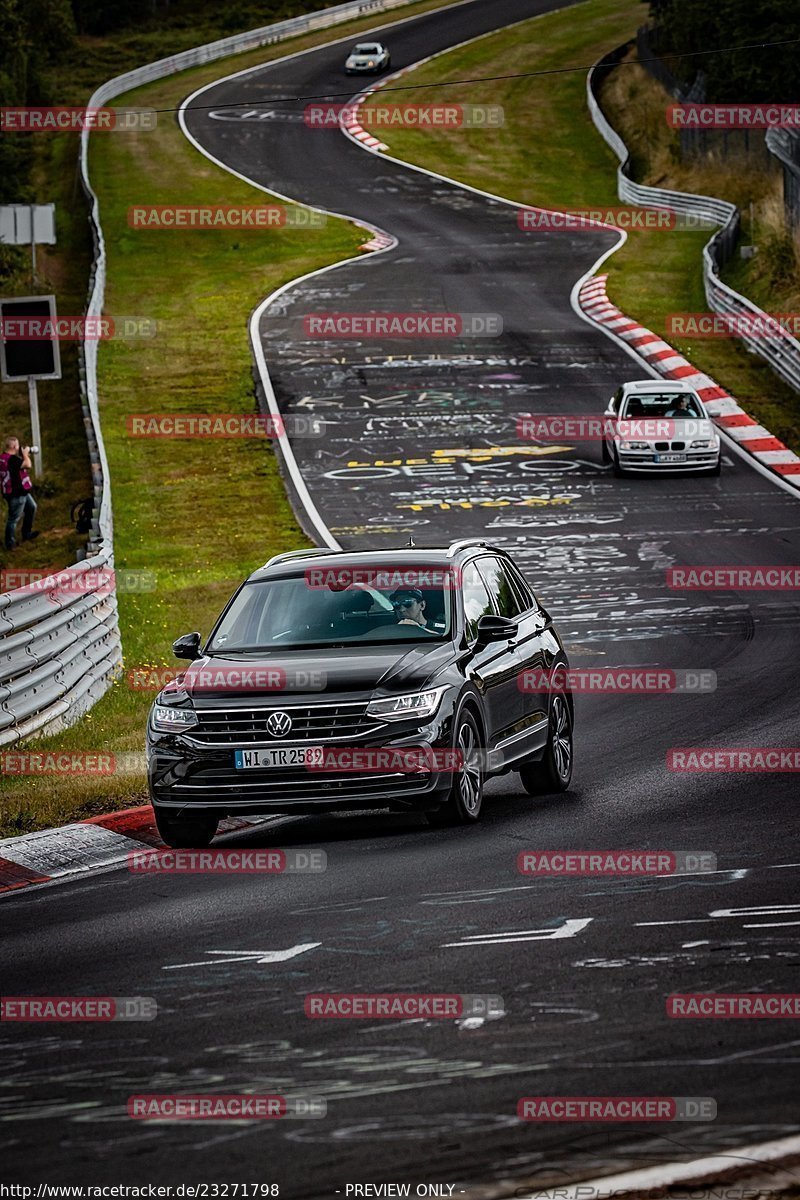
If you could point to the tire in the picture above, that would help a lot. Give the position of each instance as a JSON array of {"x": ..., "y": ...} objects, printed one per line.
[
  {"x": 717, "y": 470},
  {"x": 553, "y": 772},
  {"x": 618, "y": 471},
  {"x": 463, "y": 803},
  {"x": 604, "y": 452},
  {"x": 193, "y": 832}
]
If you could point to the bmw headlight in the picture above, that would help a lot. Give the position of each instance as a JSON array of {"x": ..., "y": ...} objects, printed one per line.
[
  {"x": 414, "y": 704},
  {"x": 702, "y": 444},
  {"x": 634, "y": 445},
  {"x": 169, "y": 718}
]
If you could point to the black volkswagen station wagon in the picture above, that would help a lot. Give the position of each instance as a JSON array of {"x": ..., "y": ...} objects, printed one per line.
[{"x": 345, "y": 680}]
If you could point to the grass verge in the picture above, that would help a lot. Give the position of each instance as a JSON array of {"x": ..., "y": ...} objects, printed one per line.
[
  {"x": 201, "y": 514},
  {"x": 548, "y": 153}
]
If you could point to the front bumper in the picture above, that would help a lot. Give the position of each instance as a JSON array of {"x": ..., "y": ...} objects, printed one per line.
[
  {"x": 182, "y": 775},
  {"x": 645, "y": 460}
]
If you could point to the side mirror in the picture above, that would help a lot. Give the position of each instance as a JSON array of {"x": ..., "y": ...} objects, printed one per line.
[
  {"x": 187, "y": 646},
  {"x": 495, "y": 629}
]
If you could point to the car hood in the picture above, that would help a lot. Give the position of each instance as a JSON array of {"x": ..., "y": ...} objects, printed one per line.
[{"x": 363, "y": 669}]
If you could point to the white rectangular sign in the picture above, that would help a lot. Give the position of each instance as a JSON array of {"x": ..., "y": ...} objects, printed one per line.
[{"x": 23, "y": 224}]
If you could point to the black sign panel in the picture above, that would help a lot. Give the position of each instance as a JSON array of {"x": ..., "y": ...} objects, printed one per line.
[{"x": 36, "y": 357}]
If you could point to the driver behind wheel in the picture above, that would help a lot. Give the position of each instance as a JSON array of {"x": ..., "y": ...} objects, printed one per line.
[{"x": 409, "y": 606}]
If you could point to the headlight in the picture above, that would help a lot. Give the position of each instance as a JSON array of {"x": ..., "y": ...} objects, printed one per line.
[
  {"x": 634, "y": 445},
  {"x": 167, "y": 719},
  {"x": 371, "y": 63},
  {"x": 702, "y": 444},
  {"x": 414, "y": 704}
]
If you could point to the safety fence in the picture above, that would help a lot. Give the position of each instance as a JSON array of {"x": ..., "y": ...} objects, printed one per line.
[{"x": 782, "y": 353}]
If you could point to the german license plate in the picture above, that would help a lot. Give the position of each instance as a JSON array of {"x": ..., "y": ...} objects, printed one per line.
[
  {"x": 665, "y": 458},
  {"x": 283, "y": 756}
]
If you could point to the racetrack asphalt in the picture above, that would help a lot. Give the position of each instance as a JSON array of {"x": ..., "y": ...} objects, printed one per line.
[{"x": 406, "y": 908}]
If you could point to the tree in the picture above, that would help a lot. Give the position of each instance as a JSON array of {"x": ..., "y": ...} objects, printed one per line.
[
  {"x": 33, "y": 34},
  {"x": 768, "y": 74}
]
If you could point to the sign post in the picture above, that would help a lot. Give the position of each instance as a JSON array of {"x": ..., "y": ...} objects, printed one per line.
[{"x": 36, "y": 433}]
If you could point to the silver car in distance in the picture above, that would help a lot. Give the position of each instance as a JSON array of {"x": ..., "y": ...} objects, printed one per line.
[
  {"x": 657, "y": 425},
  {"x": 366, "y": 58}
]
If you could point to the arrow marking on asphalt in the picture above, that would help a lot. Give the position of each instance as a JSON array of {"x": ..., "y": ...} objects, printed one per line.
[
  {"x": 570, "y": 928},
  {"x": 252, "y": 956},
  {"x": 767, "y": 910}
]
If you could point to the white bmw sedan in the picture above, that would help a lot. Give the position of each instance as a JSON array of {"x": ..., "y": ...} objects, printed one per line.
[
  {"x": 654, "y": 425},
  {"x": 367, "y": 58}
]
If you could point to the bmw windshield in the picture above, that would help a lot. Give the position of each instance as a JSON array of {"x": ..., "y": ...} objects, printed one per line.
[{"x": 300, "y": 612}]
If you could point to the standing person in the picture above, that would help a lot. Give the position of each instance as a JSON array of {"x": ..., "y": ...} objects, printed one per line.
[{"x": 16, "y": 486}]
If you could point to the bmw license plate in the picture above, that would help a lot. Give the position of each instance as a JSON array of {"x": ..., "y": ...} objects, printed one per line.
[
  {"x": 284, "y": 756},
  {"x": 659, "y": 458}
]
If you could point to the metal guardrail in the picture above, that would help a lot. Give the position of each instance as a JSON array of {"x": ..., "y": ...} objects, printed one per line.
[
  {"x": 59, "y": 638},
  {"x": 59, "y": 641},
  {"x": 782, "y": 354},
  {"x": 59, "y": 647}
]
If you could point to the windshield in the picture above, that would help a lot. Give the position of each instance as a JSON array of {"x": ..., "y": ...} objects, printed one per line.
[
  {"x": 292, "y": 613},
  {"x": 363, "y": 48},
  {"x": 662, "y": 404}
]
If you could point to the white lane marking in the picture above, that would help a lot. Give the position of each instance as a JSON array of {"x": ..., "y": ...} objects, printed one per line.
[
  {"x": 477, "y": 1022},
  {"x": 381, "y": 238},
  {"x": 772, "y": 925},
  {"x": 690, "y": 921},
  {"x": 668, "y": 1174},
  {"x": 691, "y": 945},
  {"x": 760, "y": 910},
  {"x": 643, "y": 362},
  {"x": 569, "y": 929},
  {"x": 631, "y": 351},
  {"x": 476, "y": 895},
  {"x": 733, "y": 445},
  {"x": 253, "y": 956},
  {"x": 766, "y": 910},
  {"x": 348, "y": 127}
]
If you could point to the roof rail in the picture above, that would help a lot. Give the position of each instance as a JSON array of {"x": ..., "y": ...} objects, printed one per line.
[
  {"x": 464, "y": 544},
  {"x": 276, "y": 558}
]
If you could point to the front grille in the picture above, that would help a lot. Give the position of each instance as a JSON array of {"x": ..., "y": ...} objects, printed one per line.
[
  {"x": 310, "y": 723},
  {"x": 297, "y": 785},
  {"x": 670, "y": 445}
]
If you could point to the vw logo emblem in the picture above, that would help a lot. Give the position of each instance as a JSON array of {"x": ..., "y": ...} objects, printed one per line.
[{"x": 279, "y": 724}]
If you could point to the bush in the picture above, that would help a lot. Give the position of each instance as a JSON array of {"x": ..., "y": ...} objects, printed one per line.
[{"x": 769, "y": 74}]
